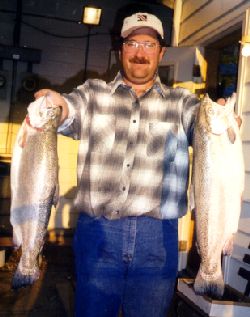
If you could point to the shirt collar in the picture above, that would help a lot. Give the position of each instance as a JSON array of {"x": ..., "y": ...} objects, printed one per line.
[
  {"x": 118, "y": 81},
  {"x": 159, "y": 86}
]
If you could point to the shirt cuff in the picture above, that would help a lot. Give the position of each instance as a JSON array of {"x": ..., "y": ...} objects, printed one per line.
[{"x": 70, "y": 118}]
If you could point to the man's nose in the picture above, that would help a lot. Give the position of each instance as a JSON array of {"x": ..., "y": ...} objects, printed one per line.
[{"x": 140, "y": 50}]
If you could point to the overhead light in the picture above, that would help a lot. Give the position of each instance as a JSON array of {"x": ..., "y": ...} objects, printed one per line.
[
  {"x": 91, "y": 15},
  {"x": 245, "y": 50}
]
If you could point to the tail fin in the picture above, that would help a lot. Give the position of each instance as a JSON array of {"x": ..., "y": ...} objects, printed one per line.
[
  {"x": 213, "y": 287},
  {"x": 23, "y": 278}
]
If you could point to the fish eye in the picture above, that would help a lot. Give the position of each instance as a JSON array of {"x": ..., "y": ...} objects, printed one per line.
[{"x": 210, "y": 111}]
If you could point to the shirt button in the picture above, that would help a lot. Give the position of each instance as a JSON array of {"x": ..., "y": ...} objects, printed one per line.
[
  {"x": 123, "y": 188},
  {"x": 128, "y": 165},
  {"x": 134, "y": 121}
]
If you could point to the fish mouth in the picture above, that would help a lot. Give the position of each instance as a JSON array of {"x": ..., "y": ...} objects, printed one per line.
[{"x": 43, "y": 113}]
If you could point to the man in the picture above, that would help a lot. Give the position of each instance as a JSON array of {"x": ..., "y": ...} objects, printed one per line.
[{"x": 132, "y": 178}]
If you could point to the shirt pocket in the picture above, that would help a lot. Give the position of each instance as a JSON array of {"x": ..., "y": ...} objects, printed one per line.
[
  {"x": 102, "y": 135},
  {"x": 162, "y": 140}
]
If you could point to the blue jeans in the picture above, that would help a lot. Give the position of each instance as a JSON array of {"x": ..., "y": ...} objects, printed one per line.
[{"x": 129, "y": 263}]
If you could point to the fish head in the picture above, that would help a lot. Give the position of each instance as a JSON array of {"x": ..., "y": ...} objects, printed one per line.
[
  {"x": 50, "y": 116},
  {"x": 215, "y": 118},
  {"x": 43, "y": 114}
]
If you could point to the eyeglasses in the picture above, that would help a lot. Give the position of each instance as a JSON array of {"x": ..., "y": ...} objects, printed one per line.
[{"x": 132, "y": 46}]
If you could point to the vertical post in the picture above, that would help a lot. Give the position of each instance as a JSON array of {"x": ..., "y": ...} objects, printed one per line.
[
  {"x": 16, "y": 43},
  {"x": 86, "y": 54}
]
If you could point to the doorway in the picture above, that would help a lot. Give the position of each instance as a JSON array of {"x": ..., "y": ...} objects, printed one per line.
[{"x": 222, "y": 58}]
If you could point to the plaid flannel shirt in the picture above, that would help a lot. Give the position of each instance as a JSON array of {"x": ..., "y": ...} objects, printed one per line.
[{"x": 133, "y": 153}]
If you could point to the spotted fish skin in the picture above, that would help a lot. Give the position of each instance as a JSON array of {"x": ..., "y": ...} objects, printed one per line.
[
  {"x": 34, "y": 188},
  {"x": 217, "y": 184}
]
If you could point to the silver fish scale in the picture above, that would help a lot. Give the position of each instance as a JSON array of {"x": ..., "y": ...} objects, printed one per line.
[
  {"x": 217, "y": 182},
  {"x": 202, "y": 164},
  {"x": 34, "y": 188}
]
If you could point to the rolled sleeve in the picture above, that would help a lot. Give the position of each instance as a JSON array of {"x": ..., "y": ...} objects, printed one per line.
[
  {"x": 190, "y": 107},
  {"x": 68, "y": 122},
  {"x": 77, "y": 102}
]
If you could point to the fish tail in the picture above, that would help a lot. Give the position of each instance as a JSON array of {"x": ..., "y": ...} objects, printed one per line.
[
  {"x": 24, "y": 277},
  {"x": 213, "y": 287}
]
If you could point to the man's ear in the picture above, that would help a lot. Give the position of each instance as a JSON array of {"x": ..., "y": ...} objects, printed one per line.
[{"x": 162, "y": 53}]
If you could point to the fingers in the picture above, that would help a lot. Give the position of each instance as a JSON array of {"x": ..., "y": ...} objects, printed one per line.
[
  {"x": 41, "y": 93},
  {"x": 239, "y": 121},
  {"x": 54, "y": 96},
  {"x": 56, "y": 99},
  {"x": 221, "y": 101},
  {"x": 224, "y": 101}
]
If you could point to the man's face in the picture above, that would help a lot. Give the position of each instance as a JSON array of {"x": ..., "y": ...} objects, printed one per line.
[{"x": 139, "y": 63}]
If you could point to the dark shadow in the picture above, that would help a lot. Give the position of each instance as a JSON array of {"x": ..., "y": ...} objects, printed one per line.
[
  {"x": 245, "y": 274},
  {"x": 193, "y": 260},
  {"x": 69, "y": 197}
]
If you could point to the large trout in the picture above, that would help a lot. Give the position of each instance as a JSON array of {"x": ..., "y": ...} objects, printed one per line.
[
  {"x": 34, "y": 185},
  {"x": 217, "y": 183}
]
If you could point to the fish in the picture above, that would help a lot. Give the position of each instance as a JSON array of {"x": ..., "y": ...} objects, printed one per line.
[
  {"x": 34, "y": 186},
  {"x": 217, "y": 186}
]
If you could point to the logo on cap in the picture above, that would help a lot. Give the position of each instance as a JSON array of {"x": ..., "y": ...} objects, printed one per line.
[{"x": 142, "y": 17}]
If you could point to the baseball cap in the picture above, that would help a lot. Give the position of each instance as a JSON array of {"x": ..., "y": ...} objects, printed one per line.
[{"x": 139, "y": 20}]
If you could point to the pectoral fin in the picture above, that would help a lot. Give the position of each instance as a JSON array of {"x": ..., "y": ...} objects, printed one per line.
[
  {"x": 231, "y": 135},
  {"x": 56, "y": 195},
  {"x": 22, "y": 136},
  {"x": 228, "y": 246}
]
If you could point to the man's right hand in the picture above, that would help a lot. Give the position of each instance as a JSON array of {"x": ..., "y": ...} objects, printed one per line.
[{"x": 57, "y": 100}]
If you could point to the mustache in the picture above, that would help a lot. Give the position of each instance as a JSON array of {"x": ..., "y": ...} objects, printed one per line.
[{"x": 138, "y": 60}]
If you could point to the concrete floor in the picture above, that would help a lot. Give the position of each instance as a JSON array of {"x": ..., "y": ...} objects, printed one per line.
[{"x": 51, "y": 296}]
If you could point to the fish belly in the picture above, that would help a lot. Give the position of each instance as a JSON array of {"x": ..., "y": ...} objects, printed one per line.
[{"x": 217, "y": 184}]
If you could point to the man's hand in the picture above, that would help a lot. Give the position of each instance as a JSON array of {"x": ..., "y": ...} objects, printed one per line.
[
  {"x": 222, "y": 102},
  {"x": 57, "y": 100}
]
